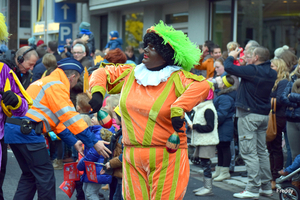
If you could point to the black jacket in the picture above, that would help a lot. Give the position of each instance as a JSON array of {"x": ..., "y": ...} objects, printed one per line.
[
  {"x": 257, "y": 81},
  {"x": 57, "y": 56}
]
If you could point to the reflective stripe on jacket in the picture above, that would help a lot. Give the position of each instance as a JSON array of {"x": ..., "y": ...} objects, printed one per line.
[{"x": 52, "y": 104}]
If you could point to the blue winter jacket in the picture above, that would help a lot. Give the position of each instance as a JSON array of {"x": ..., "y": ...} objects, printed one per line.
[
  {"x": 292, "y": 102},
  {"x": 224, "y": 104},
  {"x": 38, "y": 71},
  {"x": 92, "y": 155},
  {"x": 253, "y": 94},
  {"x": 295, "y": 165},
  {"x": 113, "y": 44}
]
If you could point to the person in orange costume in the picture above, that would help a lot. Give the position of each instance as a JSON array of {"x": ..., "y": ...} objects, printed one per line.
[
  {"x": 211, "y": 52},
  {"x": 154, "y": 96}
]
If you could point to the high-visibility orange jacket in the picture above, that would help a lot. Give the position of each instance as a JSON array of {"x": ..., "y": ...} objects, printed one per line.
[{"x": 53, "y": 107}]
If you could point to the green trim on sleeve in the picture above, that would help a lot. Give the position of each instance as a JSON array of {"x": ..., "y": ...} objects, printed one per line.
[
  {"x": 125, "y": 73},
  {"x": 179, "y": 89},
  {"x": 198, "y": 78},
  {"x": 193, "y": 76},
  {"x": 98, "y": 88},
  {"x": 117, "y": 89},
  {"x": 176, "y": 112}
]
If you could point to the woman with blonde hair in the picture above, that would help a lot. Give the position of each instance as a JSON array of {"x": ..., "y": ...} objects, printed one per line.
[{"x": 274, "y": 147}]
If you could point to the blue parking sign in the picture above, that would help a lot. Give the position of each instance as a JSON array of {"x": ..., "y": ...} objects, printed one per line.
[
  {"x": 65, "y": 12},
  {"x": 65, "y": 32}
]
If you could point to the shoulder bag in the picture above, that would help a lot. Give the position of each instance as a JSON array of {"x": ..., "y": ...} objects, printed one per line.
[{"x": 272, "y": 128}]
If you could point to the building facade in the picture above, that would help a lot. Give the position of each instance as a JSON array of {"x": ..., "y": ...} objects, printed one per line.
[{"x": 273, "y": 23}]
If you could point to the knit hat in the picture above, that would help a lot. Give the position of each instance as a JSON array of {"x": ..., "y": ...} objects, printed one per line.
[
  {"x": 114, "y": 34},
  {"x": 84, "y": 25},
  {"x": 3, "y": 28},
  {"x": 186, "y": 53},
  {"x": 280, "y": 50},
  {"x": 70, "y": 64},
  {"x": 39, "y": 43},
  {"x": 296, "y": 86},
  {"x": 31, "y": 40}
]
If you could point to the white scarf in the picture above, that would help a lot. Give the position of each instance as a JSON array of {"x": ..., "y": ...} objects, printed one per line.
[{"x": 146, "y": 77}]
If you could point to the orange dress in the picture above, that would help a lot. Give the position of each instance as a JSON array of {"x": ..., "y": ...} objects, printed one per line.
[{"x": 150, "y": 172}]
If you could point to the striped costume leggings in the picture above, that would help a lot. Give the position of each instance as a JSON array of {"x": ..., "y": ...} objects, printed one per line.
[{"x": 153, "y": 173}]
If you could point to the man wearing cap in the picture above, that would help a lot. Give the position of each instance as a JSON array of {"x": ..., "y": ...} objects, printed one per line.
[{"x": 52, "y": 110}]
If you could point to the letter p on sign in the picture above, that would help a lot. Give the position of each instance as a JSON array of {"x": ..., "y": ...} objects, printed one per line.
[{"x": 65, "y": 32}]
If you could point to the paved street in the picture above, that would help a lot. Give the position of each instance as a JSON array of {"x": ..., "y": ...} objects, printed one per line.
[{"x": 221, "y": 190}]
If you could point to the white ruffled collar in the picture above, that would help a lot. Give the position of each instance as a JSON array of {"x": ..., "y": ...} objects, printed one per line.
[{"x": 146, "y": 77}]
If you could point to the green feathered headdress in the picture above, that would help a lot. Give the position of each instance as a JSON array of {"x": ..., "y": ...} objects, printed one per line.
[
  {"x": 186, "y": 53},
  {"x": 3, "y": 29}
]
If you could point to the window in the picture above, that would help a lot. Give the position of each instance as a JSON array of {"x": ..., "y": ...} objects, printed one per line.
[
  {"x": 177, "y": 18},
  {"x": 221, "y": 23},
  {"x": 271, "y": 23},
  {"x": 25, "y": 13},
  {"x": 133, "y": 29}
]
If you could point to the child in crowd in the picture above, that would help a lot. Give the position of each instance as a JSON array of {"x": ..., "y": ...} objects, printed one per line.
[
  {"x": 114, "y": 41},
  {"x": 224, "y": 104},
  {"x": 50, "y": 63},
  {"x": 82, "y": 104},
  {"x": 295, "y": 165},
  {"x": 115, "y": 163},
  {"x": 91, "y": 189},
  {"x": 83, "y": 107},
  {"x": 111, "y": 102},
  {"x": 232, "y": 46},
  {"x": 205, "y": 138}
]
